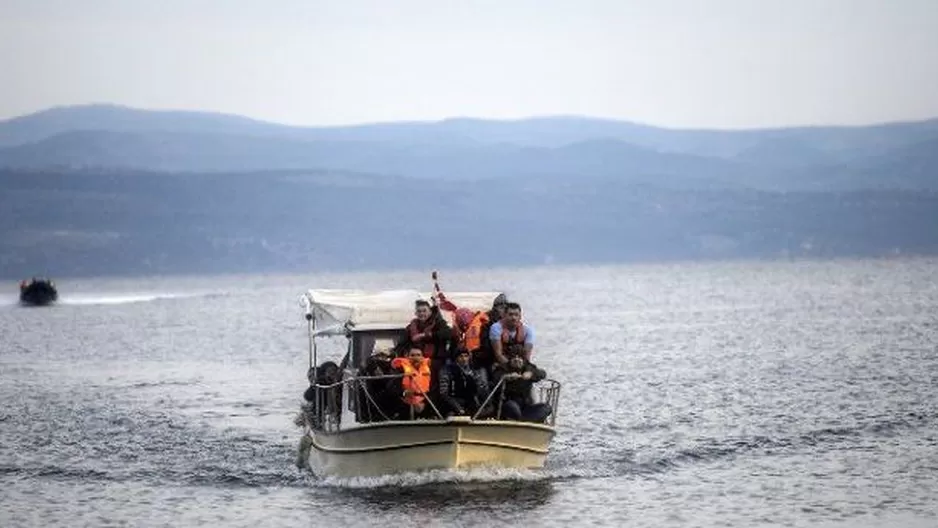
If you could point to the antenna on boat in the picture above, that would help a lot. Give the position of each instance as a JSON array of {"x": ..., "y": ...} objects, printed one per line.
[{"x": 436, "y": 287}]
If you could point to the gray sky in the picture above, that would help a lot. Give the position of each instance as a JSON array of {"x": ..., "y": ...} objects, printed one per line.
[{"x": 703, "y": 63}]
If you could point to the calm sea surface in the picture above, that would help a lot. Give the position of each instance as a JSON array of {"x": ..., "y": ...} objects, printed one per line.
[{"x": 727, "y": 394}]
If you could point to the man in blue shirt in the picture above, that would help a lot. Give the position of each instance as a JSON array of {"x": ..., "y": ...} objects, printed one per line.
[{"x": 510, "y": 336}]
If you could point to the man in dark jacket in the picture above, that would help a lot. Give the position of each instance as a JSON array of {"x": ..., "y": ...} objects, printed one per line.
[
  {"x": 519, "y": 378},
  {"x": 463, "y": 388},
  {"x": 379, "y": 398},
  {"x": 429, "y": 332}
]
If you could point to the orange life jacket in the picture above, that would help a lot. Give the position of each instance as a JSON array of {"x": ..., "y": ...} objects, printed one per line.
[
  {"x": 472, "y": 338},
  {"x": 416, "y": 380},
  {"x": 514, "y": 345},
  {"x": 520, "y": 334}
]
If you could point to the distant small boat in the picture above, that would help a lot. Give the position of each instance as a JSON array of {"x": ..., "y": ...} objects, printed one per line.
[{"x": 38, "y": 292}]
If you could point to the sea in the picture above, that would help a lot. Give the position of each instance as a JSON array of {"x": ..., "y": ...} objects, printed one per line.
[{"x": 756, "y": 393}]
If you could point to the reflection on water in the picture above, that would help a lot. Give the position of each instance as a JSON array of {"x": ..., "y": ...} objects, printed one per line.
[{"x": 519, "y": 494}]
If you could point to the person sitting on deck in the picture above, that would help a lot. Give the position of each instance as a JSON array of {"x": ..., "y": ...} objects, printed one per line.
[
  {"x": 416, "y": 380},
  {"x": 378, "y": 398},
  {"x": 463, "y": 388},
  {"x": 519, "y": 377},
  {"x": 467, "y": 330},
  {"x": 473, "y": 332},
  {"x": 510, "y": 336},
  {"x": 429, "y": 332},
  {"x": 325, "y": 375}
]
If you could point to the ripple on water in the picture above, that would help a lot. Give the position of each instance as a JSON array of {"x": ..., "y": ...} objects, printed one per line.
[{"x": 745, "y": 394}]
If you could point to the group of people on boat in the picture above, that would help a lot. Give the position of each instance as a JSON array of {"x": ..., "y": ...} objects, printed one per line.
[
  {"x": 454, "y": 370},
  {"x": 26, "y": 283}
]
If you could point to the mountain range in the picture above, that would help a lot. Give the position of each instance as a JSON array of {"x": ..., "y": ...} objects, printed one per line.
[
  {"x": 894, "y": 155},
  {"x": 103, "y": 190}
]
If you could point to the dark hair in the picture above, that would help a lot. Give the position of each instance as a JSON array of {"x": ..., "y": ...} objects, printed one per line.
[
  {"x": 512, "y": 306},
  {"x": 421, "y": 302},
  {"x": 501, "y": 300}
]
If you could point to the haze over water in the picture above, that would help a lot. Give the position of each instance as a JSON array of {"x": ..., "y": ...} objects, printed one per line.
[{"x": 745, "y": 394}]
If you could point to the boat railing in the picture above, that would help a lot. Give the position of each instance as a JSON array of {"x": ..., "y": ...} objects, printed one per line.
[
  {"x": 364, "y": 404},
  {"x": 325, "y": 411},
  {"x": 548, "y": 391},
  {"x": 544, "y": 391}
]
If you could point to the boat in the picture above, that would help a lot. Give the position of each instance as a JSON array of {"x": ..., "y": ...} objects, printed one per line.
[
  {"x": 344, "y": 437},
  {"x": 38, "y": 292}
]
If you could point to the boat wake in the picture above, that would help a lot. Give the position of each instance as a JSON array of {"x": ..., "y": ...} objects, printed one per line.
[
  {"x": 441, "y": 476},
  {"x": 93, "y": 299}
]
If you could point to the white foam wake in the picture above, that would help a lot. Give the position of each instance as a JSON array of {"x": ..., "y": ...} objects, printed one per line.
[
  {"x": 479, "y": 474},
  {"x": 93, "y": 299}
]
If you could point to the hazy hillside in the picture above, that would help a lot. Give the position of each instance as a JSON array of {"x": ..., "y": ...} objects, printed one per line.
[
  {"x": 90, "y": 223},
  {"x": 48, "y": 123},
  {"x": 111, "y": 136},
  {"x": 108, "y": 190},
  {"x": 549, "y": 131},
  {"x": 199, "y": 152},
  {"x": 472, "y": 149}
]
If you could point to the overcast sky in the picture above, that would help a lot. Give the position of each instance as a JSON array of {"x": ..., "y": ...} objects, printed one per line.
[{"x": 690, "y": 63}]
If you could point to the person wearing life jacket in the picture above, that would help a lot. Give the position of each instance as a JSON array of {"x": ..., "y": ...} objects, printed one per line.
[
  {"x": 510, "y": 336},
  {"x": 477, "y": 333},
  {"x": 467, "y": 329},
  {"x": 429, "y": 332},
  {"x": 416, "y": 380}
]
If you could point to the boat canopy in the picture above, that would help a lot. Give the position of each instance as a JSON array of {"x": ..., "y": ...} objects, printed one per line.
[{"x": 336, "y": 311}]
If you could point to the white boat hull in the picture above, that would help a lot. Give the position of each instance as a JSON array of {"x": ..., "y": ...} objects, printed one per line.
[{"x": 411, "y": 446}]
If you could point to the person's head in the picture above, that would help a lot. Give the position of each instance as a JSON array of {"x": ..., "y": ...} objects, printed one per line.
[
  {"x": 462, "y": 358},
  {"x": 512, "y": 317},
  {"x": 327, "y": 373},
  {"x": 415, "y": 355},
  {"x": 422, "y": 310},
  {"x": 383, "y": 346},
  {"x": 516, "y": 362},
  {"x": 498, "y": 305},
  {"x": 379, "y": 363},
  {"x": 463, "y": 318}
]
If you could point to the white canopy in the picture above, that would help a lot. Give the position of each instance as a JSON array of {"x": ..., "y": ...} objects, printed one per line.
[{"x": 334, "y": 310}]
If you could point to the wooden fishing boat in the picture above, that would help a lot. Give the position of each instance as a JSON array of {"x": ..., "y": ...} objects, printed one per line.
[{"x": 344, "y": 436}]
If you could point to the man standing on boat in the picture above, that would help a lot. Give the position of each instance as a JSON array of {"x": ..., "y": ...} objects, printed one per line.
[{"x": 510, "y": 336}]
